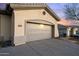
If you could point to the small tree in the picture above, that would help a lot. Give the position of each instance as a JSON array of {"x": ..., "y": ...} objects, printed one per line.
[{"x": 71, "y": 11}]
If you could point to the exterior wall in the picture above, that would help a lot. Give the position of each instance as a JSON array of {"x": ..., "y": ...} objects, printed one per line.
[
  {"x": 5, "y": 27},
  {"x": 68, "y": 31},
  {"x": 25, "y": 15},
  {"x": 75, "y": 31},
  {"x": 12, "y": 25},
  {"x": 71, "y": 31},
  {"x": 56, "y": 31}
]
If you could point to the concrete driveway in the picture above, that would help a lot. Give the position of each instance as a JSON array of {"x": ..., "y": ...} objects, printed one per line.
[{"x": 51, "y": 47}]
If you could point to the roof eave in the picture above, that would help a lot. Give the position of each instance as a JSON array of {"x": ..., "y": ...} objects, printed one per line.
[
  {"x": 35, "y": 5},
  {"x": 53, "y": 13}
]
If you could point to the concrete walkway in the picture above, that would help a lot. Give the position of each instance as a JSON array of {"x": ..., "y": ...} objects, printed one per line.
[{"x": 51, "y": 47}]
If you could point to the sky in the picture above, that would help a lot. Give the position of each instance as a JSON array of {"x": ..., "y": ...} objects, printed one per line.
[
  {"x": 2, "y": 6},
  {"x": 58, "y": 8}
]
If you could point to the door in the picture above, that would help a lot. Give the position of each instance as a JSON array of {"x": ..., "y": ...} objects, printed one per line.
[{"x": 38, "y": 32}]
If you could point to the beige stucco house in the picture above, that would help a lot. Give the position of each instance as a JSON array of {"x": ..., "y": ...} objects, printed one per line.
[{"x": 29, "y": 22}]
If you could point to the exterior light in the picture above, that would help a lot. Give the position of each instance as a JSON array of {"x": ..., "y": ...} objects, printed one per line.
[{"x": 41, "y": 26}]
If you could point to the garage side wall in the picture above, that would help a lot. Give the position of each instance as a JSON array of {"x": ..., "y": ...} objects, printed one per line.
[
  {"x": 5, "y": 27},
  {"x": 56, "y": 31},
  {"x": 25, "y": 15}
]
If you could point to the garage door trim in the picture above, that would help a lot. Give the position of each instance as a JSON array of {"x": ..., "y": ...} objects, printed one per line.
[
  {"x": 52, "y": 27},
  {"x": 38, "y": 23}
]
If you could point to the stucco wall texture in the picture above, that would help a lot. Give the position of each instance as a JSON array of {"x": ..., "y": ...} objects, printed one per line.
[{"x": 22, "y": 16}]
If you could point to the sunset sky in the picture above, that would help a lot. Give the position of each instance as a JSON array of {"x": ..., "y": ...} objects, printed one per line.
[{"x": 58, "y": 8}]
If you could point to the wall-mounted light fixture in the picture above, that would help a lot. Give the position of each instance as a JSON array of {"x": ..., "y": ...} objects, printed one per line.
[{"x": 41, "y": 26}]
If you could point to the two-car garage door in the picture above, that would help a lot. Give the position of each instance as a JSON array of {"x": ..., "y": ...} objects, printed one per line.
[{"x": 38, "y": 32}]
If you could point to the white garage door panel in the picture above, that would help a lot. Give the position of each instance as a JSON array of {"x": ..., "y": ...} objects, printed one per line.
[{"x": 36, "y": 32}]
